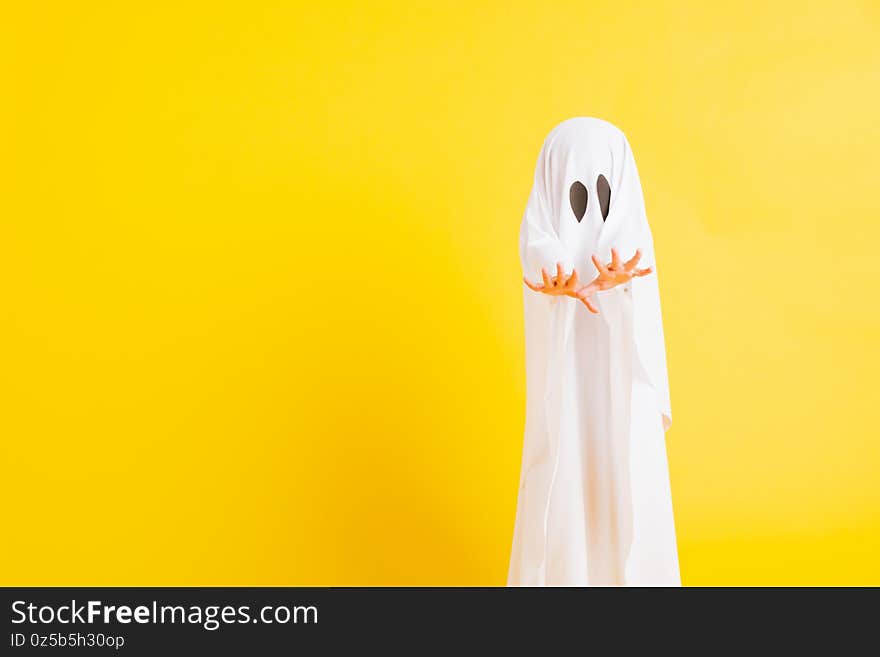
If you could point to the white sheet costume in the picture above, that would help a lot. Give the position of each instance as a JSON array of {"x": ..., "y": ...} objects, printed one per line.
[{"x": 594, "y": 503}]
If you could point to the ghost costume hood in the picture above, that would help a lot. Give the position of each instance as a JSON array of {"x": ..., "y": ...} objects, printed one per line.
[{"x": 594, "y": 504}]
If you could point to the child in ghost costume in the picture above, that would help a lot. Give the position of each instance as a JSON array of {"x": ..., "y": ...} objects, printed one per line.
[{"x": 594, "y": 503}]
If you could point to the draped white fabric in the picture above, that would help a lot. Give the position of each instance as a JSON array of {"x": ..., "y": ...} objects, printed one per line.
[{"x": 594, "y": 503}]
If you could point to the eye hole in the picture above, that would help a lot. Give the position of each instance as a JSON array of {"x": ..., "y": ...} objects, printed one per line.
[
  {"x": 604, "y": 191},
  {"x": 577, "y": 195}
]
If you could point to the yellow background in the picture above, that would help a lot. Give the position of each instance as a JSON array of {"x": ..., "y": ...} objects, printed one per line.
[{"x": 261, "y": 314}]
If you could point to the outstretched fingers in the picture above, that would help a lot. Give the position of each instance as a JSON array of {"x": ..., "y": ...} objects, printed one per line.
[
  {"x": 599, "y": 264},
  {"x": 547, "y": 281},
  {"x": 632, "y": 262},
  {"x": 590, "y": 306},
  {"x": 584, "y": 296},
  {"x": 532, "y": 286},
  {"x": 615, "y": 260},
  {"x": 571, "y": 283},
  {"x": 643, "y": 272}
]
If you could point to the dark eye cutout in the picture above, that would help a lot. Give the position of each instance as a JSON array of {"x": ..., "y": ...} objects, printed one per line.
[
  {"x": 604, "y": 191},
  {"x": 578, "y": 197}
]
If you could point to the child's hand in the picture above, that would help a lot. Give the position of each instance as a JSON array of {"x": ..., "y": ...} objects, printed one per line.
[
  {"x": 615, "y": 273},
  {"x": 562, "y": 286}
]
